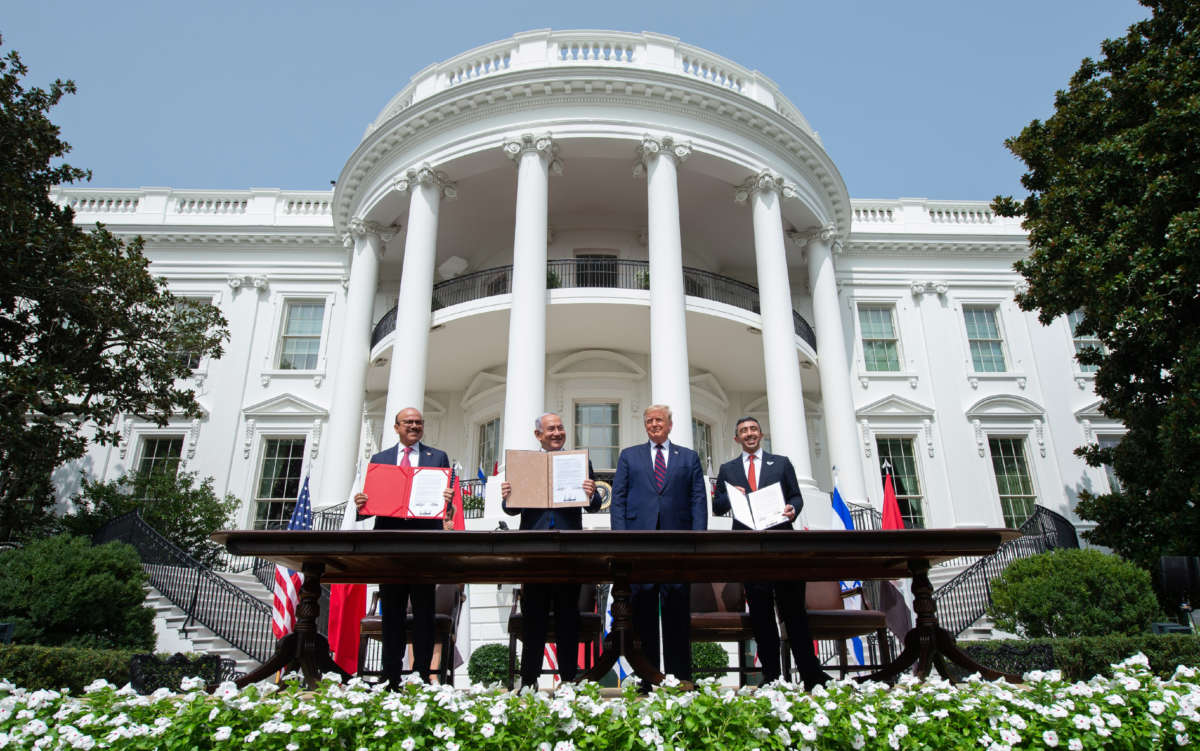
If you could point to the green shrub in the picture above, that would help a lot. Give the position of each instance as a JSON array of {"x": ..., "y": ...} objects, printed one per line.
[
  {"x": 1066, "y": 593},
  {"x": 709, "y": 660},
  {"x": 489, "y": 664},
  {"x": 62, "y": 591},
  {"x": 180, "y": 509},
  {"x": 1081, "y": 658},
  {"x": 34, "y": 667}
]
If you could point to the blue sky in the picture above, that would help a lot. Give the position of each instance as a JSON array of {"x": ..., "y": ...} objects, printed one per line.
[{"x": 910, "y": 98}]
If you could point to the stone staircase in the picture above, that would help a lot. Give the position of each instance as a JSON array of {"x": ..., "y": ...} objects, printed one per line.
[{"x": 175, "y": 634}]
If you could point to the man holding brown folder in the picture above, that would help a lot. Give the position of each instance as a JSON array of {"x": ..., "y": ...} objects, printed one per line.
[
  {"x": 538, "y": 599},
  {"x": 393, "y": 608}
]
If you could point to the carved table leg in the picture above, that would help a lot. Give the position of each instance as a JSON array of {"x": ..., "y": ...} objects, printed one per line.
[
  {"x": 623, "y": 638},
  {"x": 928, "y": 645},
  {"x": 304, "y": 647}
]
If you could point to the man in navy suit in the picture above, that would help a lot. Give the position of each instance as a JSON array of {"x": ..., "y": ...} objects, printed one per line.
[
  {"x": 537, "y": 599},
  {"x": 659, "y": 485},
  {"x": 755, "y": 469},
  {"x": 393, "y": 608}
]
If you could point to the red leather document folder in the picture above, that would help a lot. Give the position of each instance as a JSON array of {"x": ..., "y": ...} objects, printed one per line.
[{"x": 389, "y": 491}]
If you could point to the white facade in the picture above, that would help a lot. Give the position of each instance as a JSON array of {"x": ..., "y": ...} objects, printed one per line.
[{"x": 529, "y": 209}]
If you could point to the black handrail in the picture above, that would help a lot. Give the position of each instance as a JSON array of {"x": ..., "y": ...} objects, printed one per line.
[
  {"x": 603, "y": 273},
  {"x": 965, "y": 598},
  {"x": 232, "y": 614}
]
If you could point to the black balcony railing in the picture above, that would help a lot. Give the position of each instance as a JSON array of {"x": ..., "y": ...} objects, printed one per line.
[{"x": 602, "y": 273}]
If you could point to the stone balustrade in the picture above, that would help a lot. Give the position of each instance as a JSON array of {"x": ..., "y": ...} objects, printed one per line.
[
  {"x": 553, "y": 49},
  {"x": 163, "y": 206}
]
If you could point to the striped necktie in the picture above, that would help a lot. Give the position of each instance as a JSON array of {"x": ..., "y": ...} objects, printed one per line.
[{"x": 660, "y": 468}]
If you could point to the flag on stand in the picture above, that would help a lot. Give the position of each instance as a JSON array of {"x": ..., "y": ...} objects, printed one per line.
[
  {"x": 894, "y": 605},
  {"x": 550, "y": 652},
  {"x": 456, "y": 503},
  {"x": 348, "y": 602},
  {"x": 622, "y": 667},
  {"x": 854, "y": 602},
  {"x": 482, "y": 477},
  {"x": 288, "y": 582}
]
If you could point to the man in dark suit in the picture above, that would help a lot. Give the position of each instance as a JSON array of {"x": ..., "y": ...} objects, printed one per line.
[
  {"x": 537, "y": 599},
  {"x": 393, "y": 608},
  {"x": 659, "y": 485},
  {"x": 755, "y": 469}
]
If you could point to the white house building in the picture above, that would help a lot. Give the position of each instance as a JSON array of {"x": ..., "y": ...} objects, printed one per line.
[{"x": 588, "y": 222}]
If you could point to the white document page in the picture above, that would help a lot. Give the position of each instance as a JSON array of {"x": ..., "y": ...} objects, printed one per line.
[
  {"x": 426, "y": 496},
  {"x": 740, "y": 505},
  {"x": 766, "y": 505},
  {"x": 568, "y": 471}
]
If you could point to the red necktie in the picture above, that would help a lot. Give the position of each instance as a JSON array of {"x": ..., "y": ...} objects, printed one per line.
[
  {"x": 404, "y": 462},
  {"x": 660, "y": 468},
  {"x": 750, "y": 475}
]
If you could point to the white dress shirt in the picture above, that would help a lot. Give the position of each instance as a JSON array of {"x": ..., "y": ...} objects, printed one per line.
[{"x": 666, "y": 452}]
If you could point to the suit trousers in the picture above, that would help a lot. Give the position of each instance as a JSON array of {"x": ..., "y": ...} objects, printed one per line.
[
  {"x": 536, "y": 603},
  {"x": 393, "y": 609},
  {"x": 676, "y": 623},
  {"x": 763, "y": 597}
]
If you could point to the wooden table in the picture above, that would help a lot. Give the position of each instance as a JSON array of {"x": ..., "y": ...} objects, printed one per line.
[{"x": 624, "y": 558}]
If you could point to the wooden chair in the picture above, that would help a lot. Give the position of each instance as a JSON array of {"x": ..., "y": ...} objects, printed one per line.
[
  {"x": 829, "y": 620},
  {"x": 448, "y": 602},
  {"x": 591, "y": 631},
  {"x": 719, "y": 615}
]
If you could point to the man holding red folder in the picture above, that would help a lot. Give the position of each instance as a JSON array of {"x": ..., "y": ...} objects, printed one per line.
[{"x": 409, "y": 452}]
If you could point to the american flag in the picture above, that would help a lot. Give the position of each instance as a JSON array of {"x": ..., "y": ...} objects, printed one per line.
[{"x": 287, "y": 582}]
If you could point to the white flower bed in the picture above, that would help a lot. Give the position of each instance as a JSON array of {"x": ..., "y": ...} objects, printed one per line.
[{"x": 1132, "y": 710}]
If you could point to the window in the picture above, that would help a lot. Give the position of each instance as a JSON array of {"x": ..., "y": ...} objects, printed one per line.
[
  {"x": 1013, "y": 482},
  {"x": 983, "y": 334},
  {"x": 702, "y": 440},
  {"x": 1108, "y": 442},
  {"x": 489, "y": 445},
  {"x": 1083, "y": 341},
  {"x": 907, "y": 484},
  {"x": 300, "y": 343},
  {"x": 596, "y": 270},
  {"x": 278, "y": 482},
  {"x": 160, "y": 455},
  {"x": 190, "y": 359},
  {"x": 881, "y": 349},
  {"x": 598, "y": 429}
]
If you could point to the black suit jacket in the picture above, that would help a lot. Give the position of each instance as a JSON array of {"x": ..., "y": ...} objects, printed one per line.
[
  {"x": 775, "y": 468},
  {"x": 428, "y": 457},
  {"x": 562, "y": 518}
]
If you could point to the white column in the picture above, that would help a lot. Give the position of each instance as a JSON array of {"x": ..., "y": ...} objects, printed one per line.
[
  {"x": 840, "y": 424},
  {"x": 366, "y": 241},
  {"x": 410, "y": 349},
  {"x": 525, "y": 385},
  {"x": 670, "y": 383},
  {"x": 785, "y": 394}
]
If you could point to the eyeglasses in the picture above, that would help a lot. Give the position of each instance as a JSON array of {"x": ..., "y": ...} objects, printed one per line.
[{"x": 413, "y": 423}]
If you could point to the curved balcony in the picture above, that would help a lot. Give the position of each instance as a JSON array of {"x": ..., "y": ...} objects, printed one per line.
[{"x": 601, "y": 273}]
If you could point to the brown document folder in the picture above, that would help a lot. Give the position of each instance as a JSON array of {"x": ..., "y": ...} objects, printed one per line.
[{"x": 531, "y": 475}]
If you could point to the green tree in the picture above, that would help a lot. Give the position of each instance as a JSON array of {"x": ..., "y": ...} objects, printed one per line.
[
  {"x": 87, "y": 333},
  {"x": 1073, "y": 592},
  {"x": 181, "y": 509},
  {"x": 1113, "y": 215},
  {"x": 62, "y": 591}
]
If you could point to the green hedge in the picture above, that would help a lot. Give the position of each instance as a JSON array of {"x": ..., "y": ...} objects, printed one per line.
[
  {"x": 33, "y": 667},
  {"x": 1081, "y": 658}
]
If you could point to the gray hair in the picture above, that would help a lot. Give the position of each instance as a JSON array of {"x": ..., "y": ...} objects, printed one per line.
[
  {"x": 537, "y": 424},
  {"x": 657, "y": 408}
]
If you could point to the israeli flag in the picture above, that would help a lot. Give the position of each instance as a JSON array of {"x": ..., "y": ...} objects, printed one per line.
[{"x": 842, "y": 512}]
